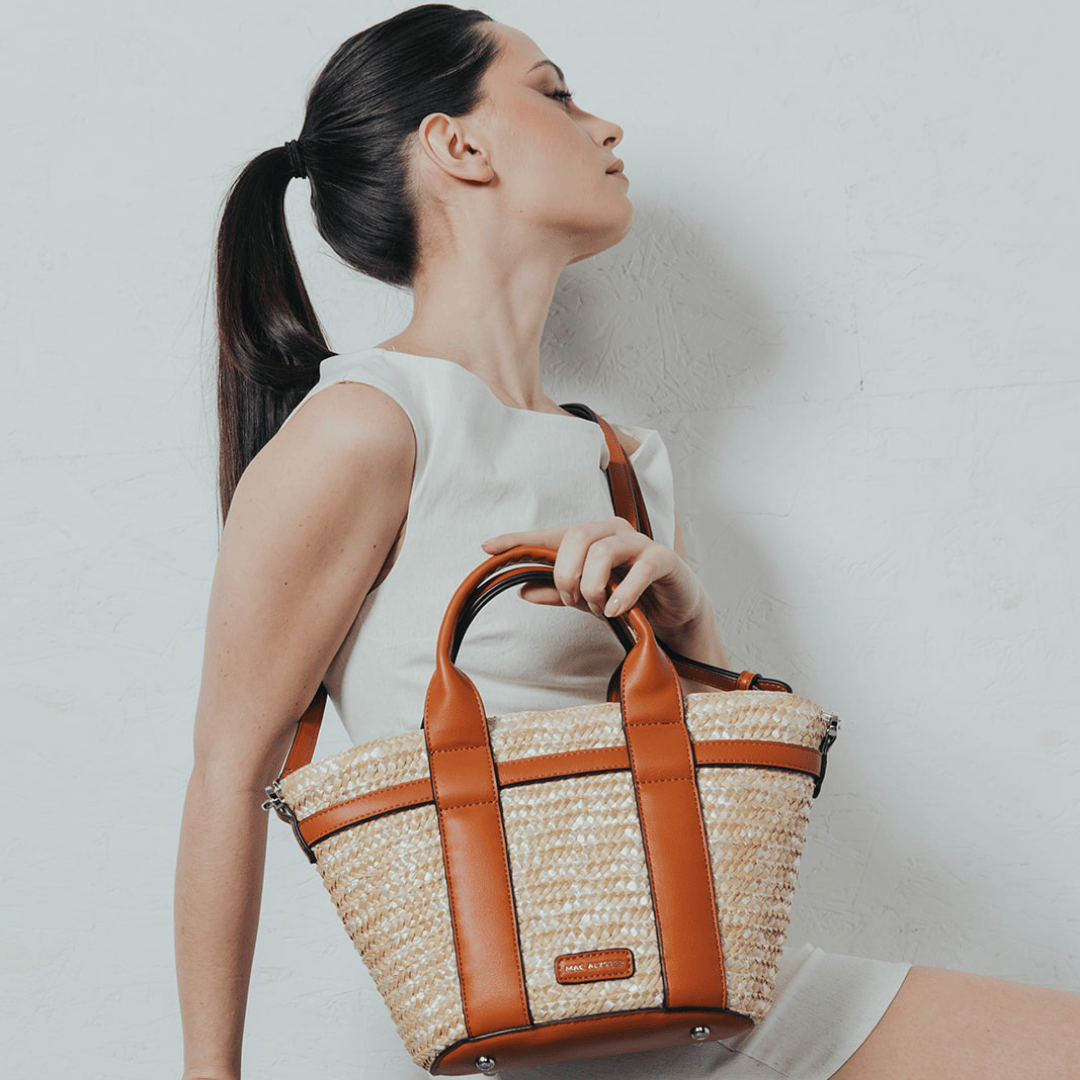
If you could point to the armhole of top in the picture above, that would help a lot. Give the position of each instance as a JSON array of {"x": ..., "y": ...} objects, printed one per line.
[{"x": 383, "y": 386}]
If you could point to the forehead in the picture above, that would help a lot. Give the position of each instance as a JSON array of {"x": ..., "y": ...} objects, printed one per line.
[{"x": 519, "y": 53}]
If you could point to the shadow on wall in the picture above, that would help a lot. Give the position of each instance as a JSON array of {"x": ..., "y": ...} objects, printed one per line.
[{"x": 666, "y": 331}]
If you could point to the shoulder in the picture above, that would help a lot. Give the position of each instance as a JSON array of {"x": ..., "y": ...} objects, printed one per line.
[
  {"x": 346, "y": 420},
  {"x": 348, "y": 440}
]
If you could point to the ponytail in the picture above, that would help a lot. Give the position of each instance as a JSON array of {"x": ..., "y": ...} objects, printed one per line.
[
  {"x": 270, "y": 342},
  {"x": 362, "y": 113}
]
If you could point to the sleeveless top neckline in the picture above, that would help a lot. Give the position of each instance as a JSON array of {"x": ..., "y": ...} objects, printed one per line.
[{"x": 481, "y": 385}]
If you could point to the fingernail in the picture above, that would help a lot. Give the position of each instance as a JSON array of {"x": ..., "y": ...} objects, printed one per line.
[
  {"x": 565, "y": 597},
  {"x": 614, "y": 607}
]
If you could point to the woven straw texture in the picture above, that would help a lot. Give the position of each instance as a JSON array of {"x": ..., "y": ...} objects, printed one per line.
[{"x": 577, "y": 862}]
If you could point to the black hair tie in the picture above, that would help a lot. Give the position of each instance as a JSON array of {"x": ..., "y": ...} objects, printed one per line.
[{"x": 296, "y": 159}]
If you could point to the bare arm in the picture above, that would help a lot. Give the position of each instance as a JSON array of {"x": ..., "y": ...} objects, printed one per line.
[{"x": 312, "y": 523}]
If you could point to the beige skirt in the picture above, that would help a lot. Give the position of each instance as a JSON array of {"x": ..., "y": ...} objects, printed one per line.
[{"x": 824, "y": 1007}]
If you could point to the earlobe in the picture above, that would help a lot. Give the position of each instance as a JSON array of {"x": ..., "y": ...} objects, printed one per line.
[{"x": 446, "y": 143}]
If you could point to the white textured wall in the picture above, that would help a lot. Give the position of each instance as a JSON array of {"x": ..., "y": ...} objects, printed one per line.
[{"x": 849, "y": 303}]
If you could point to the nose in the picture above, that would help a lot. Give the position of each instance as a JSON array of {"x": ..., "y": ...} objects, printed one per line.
[
  {"x": 615, "y": 134},
  {"x": 606, "y": 133}
]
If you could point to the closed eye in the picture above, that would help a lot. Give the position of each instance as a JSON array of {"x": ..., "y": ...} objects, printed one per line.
[{"x": 561, "y": 95}]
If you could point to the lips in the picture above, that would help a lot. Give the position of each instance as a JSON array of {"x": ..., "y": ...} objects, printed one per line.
[{"x": 616, "y": 167}]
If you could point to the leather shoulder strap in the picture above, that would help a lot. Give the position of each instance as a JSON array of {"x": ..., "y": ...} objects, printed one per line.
[{"x": 622, "y": 481}]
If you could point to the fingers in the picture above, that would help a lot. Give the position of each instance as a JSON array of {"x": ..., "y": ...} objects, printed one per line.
[
  {"x": 647, "y": 564},
  {"x": 540, "y": 594},
  {"x": 590, "y": 556},
  {"x": 644, "y": 571},
  {"x": 534, "y": 537},
  {"x": 587, "y": 555}
]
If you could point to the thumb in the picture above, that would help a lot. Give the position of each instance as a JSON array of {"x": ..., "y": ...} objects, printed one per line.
[{"x": 536, "y": 593}]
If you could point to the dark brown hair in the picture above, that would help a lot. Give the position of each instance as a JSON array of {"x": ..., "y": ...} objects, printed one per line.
[{"x": 365, "y": 104}]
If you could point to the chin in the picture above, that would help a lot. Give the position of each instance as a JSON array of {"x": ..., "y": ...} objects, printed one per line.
[{"x": 601, "y": 241}]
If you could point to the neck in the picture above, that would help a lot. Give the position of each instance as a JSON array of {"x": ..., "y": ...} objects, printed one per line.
[{"x": 483, "y": 304}]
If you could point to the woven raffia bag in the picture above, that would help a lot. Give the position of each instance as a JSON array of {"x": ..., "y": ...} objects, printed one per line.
[{"x": 545, "y": 886}]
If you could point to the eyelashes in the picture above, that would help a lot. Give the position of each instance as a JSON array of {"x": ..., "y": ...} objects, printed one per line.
[{"x": 561, "y": 95}]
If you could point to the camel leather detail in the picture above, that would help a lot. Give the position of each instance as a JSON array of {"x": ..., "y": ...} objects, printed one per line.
[
  {"x": 672, "y": 828},
  {"x": 590, "y": 1036},
  {"x": 475, "y": 858},
  {"x": 307, "y": 734},
  {"x": 710, "y": 753}
]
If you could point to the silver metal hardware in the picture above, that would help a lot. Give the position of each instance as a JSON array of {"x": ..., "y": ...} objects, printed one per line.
[
  {"x": 833, "y": 729},
  {"x": 276, "y": 802},
  {"x": 485, "y": 1064},
  {"x": 700, "y": 1034},
  {"x": 827, "y": 741}
]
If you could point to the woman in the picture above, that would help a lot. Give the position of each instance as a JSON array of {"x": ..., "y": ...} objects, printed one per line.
[{"x": 445, "y": 153}]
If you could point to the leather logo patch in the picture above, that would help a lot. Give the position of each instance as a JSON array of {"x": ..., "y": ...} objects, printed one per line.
[{"x": 594, "y": 966}]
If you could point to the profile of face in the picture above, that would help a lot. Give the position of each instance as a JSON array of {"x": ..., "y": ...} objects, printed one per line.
[{"x": 549, "y": 165}]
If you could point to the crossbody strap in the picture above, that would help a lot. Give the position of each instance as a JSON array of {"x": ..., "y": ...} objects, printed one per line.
[{"x": 622, "y": 480}]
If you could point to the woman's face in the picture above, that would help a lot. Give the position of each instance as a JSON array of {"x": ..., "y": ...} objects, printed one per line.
[{"x": 552, "y": 159}]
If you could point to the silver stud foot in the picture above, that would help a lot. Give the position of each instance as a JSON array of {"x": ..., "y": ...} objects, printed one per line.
[
  {"x": 700, "y": 1034},
  {"x": 485, "y": 1064}
]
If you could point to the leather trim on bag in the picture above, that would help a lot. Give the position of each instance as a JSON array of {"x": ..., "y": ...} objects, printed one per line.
[
  {"x": 307, "y": 734},
  {"x": 710, "y": 753},
  {"x": 590, "y": 1036},
  {"x": 475, "y": 859},
  {"x": 672, "y": 828}
]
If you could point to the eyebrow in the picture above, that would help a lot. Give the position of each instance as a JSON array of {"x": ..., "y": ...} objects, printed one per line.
[{"x": 550, "y": 63}]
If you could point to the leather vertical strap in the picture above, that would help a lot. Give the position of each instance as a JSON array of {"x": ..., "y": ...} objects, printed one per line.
[
  {"x": 622, "y": 481},
  {"x": 672, "y": 828},
  {"x": 307, "y": 734},
  {"x": 644, "y": 525},
  {"x": 475, "y": 858}
]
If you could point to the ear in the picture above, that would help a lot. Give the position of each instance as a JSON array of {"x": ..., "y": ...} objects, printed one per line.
[{"x": 446, "y": 142}]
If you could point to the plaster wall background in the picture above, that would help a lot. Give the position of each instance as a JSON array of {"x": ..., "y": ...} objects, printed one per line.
[{"x": 848, "y": 303}]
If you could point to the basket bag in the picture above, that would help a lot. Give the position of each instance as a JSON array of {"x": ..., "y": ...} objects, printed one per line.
[{"x": 547, "y": 886}]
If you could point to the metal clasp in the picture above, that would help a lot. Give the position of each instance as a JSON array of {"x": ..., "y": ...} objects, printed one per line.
[
  {"x": 276, "y": 801},
  {"x": 827, "y": 740}
]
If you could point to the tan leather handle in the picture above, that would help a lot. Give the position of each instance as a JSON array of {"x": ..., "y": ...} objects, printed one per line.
[{"x": 450, "y": 689}]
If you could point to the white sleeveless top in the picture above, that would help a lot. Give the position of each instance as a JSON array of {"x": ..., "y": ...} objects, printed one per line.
[{"x": 484, "y": 468}]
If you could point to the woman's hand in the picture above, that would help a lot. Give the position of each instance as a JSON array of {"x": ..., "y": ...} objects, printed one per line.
[{"x": 592, "y": 553}]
